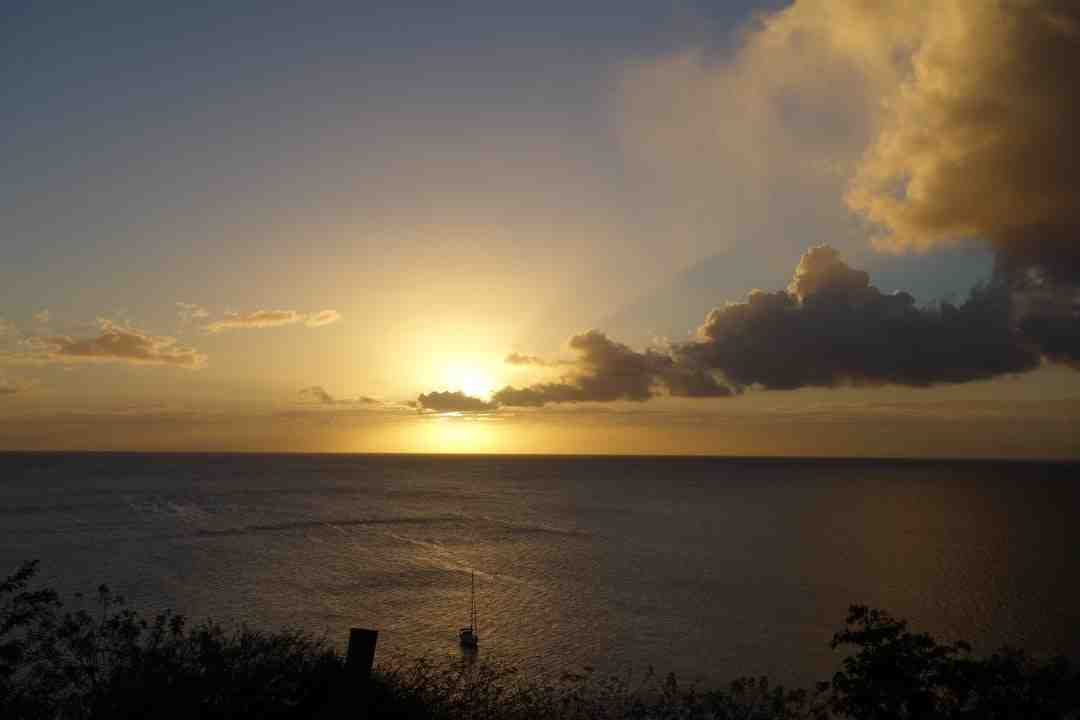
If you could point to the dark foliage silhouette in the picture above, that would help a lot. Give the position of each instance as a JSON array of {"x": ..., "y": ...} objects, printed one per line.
[
  {"x": 899, "y": 674},
  {"x": 113, "y": 663}
]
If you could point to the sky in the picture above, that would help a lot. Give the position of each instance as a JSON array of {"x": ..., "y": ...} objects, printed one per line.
[{"x": 822, "y": 228}]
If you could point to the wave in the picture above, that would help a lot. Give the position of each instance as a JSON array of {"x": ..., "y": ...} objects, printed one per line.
[{"x": 332, "y": 524}]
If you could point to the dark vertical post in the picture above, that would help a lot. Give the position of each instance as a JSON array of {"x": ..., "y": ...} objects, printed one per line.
[
  {"x": 351, "y": 696},
  {"x": 361, "y": 654}
]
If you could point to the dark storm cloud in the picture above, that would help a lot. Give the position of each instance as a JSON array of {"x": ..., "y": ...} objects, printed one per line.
[
  {"x": 456, "y": 401},
  {"x": 1049, "y": 315},
  {"x": 609, "y": 371},
  {"x": 1058, "y": 337},
  {"x": 831, "y": 327}
]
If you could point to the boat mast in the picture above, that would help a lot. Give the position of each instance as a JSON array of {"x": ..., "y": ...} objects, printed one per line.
[{"x": 472, "y": 614}]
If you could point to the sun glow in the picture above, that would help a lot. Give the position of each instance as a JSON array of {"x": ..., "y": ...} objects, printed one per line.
[
  {"x": 469, "y": 380},
  {"x": 459, "y": 434}
]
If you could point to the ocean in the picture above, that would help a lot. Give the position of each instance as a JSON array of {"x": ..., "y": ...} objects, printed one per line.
[{"x": 709, "y": 568}]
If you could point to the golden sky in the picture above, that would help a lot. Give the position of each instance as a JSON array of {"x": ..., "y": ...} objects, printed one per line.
[{"x": 745, "y": 231}]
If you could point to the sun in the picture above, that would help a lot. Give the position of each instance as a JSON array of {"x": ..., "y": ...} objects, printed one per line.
[{"x": 469, "y": 380}]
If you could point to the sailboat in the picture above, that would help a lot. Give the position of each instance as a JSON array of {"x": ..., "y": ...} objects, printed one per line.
[{"x": 470, "y": 636}]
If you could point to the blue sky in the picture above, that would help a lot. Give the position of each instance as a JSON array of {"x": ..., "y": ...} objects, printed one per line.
[{"x": 140, "y": 136}]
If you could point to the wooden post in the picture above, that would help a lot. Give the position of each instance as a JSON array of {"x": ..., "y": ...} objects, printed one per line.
[
  {"x": 350, "y": 695},
  {"x": 361, "y": 655}
]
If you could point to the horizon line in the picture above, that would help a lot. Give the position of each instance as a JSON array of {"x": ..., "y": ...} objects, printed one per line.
[{"x": 556, "y": 456}]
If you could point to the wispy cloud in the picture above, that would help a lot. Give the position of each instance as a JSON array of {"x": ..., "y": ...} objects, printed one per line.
[
  {"x": 256, "y": 319},
  {"x": 520, "y": 359},
  {"x": 190, "y": 312},
  {"x": 323, "y": 317},
  {"x": 317, "y": 395},
  {"x": 315, "y": 401},
  {"x": 271, "y": 318},
  {"x": 15, "y": 385}
]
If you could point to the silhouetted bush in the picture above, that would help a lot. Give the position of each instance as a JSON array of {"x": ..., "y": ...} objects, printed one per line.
[
  {"x": 899, "y": 674},
  {"x": 429, "y": 691},
  {"x": 113, "y": 663}
]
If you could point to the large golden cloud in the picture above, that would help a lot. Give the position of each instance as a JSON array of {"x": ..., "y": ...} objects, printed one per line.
[{"x": 978, "y": 139}]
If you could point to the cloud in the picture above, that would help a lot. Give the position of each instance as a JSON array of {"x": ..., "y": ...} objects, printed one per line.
[
  {"x": 42, "y": 317},
  {"x": 979, "y": 138},
  {"x": 943, "y": 120},
  {"x": 257, "y": 319},
  {"x": 738, "y": 146},
  {"x": 609, "y": 371},
  {"x": 519, "y": 359},
  {"x": 189, "y": 312},
  {"x": 934, "y": 122},
  {"x": 323, "y": 317},
  {"x": 271, "y": 318},
  {"x": 318, "y": 395},
  {"x": 15, "y": 385},
  {"x": 830, "y": 327},
  {"x": 457, "y": 401},
  {"x": 1049, "y": 315},
  {"x": 117, "y": 343}
]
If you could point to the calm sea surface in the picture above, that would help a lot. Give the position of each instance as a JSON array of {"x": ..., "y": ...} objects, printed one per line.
[{"x": 710, "y": 568}]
